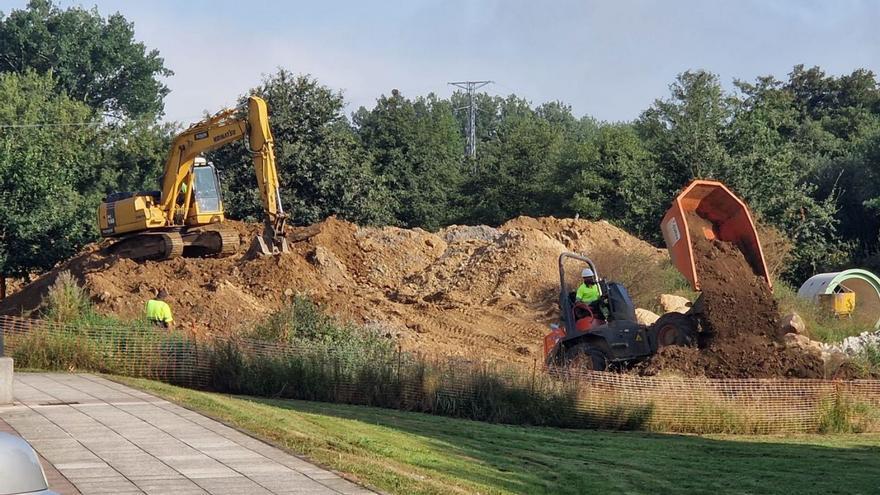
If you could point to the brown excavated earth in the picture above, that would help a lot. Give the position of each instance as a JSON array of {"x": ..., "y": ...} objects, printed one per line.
[
  {"x": 468, "y": 291},
  {"x": 741, "y": 328}
]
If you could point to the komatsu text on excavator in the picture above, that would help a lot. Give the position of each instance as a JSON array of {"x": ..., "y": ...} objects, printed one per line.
[{"x": 186, "y": 216}]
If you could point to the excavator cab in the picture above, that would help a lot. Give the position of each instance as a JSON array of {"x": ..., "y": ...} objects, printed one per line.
[{"x": 207, "y": 205}]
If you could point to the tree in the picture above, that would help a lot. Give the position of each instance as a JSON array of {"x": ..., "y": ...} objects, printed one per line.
[
  {"x": 93, "y": 59},
  {"x": 322, "y": 169},
  {"x": 49, "y": 184},
  {"x": 134, "y": 155},
  {"x": 630, "y": 189},
  {"x": 417, "y": 150},
  {"x": 686, "y": 131},
  {"x": 517, "y": 169}
]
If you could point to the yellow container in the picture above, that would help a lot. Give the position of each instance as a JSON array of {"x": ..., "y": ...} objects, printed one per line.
[{"x": 842, "y": 304}]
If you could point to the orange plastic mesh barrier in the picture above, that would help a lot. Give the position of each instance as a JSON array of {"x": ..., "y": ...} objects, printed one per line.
[{"x": 453, "y": 387}]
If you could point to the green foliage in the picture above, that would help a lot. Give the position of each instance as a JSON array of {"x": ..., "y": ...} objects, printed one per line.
[
  {"x": 515, "y": 170},
  {"x": 322, "y": 168},
  {"x": 47, "y": 174},
  {"x": 613, "y": 176},
  {"x": 765, "y": 145},
  {"x": 312, "y": 357},
  {"x": 867, "y": 362},
  {"x": 66, "y": 301},
  {"x": 94, "y": 60},
  {"x": 820, "y": 324},
  {"x": 687, "y": 130},
  {"x": 134, "y": 154},
  {"x": 842, "y": 414},
  {"x": 302, "y": 322},
  {"x": 62, "y": 74},
  {"x": 800, "y": 151},
  {"x": 67, "y": 351},
  {"x": 417, "y": 151}
]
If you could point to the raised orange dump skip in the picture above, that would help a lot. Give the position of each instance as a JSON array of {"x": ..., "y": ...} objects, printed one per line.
[{"x": 730, "y": 219}]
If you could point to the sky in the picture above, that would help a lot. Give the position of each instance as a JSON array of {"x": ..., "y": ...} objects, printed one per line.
[{"x": 608, "y": 59}]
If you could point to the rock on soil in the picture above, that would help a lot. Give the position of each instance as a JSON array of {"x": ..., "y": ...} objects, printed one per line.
[
  {"x": 792, "y": 323},
  {"x": 646, "y": 317},
  {"x": 465, "y": 291},
  {"x": 674, "y": 304},
  {"x": 857, "y": 344}
]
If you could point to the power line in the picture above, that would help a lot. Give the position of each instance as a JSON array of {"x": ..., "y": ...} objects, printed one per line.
[
  {"x": 49, "y": 124},
  {"x": 70, "y": 124},
  {"x": 471, "y": 87}
]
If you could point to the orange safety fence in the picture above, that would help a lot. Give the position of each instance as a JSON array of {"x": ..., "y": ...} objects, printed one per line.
[{"x": 450, "y": 386}]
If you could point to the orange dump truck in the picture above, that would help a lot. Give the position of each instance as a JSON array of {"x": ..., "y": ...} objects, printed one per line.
[{"x": 610, "y": 336}]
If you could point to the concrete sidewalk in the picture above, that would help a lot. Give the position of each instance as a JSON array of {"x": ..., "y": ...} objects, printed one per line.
[{"x": 108, "y": 438}]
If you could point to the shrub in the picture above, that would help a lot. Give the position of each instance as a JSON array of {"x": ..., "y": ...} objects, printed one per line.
[
  {"x": 42, "y": 349},
  {"x": 303, "y": 323},
  {"x": 841, "y": 414},
  {"x": 66, "y": 301},
  {"x": 314, "y": 357},
  {"x": 868, "y": 361}
]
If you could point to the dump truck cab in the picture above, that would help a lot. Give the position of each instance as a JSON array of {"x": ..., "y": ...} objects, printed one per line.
[{"x": 594, "y": 339}]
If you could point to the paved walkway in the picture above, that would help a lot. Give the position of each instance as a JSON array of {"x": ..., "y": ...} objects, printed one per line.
[{"x": 108, "y": 438}]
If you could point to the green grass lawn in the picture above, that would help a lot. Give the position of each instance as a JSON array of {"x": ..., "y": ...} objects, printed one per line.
[{"x": 409, "y": 453}]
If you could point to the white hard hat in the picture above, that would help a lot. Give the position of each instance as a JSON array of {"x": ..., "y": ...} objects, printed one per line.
[{"x": 587, "y": 273}]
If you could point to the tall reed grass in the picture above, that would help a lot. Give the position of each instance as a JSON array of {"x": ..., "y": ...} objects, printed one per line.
[{"x": 301, "y": 353}]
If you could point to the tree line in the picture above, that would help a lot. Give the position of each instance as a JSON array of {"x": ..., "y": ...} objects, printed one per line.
[{"x": 81, "y": 104}]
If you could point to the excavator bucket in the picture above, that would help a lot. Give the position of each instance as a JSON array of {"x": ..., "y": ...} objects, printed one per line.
[
  {"x": 261, "y": 246},
  {"x": 728, "y": 218},
  {"x": 271, "y": 242}
]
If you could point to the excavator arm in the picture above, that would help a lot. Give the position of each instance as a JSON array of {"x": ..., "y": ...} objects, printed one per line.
[{"x": 262, "y": 146}]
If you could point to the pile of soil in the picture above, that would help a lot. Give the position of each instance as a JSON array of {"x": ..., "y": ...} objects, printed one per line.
[
  {"x": 468, "y": 291},
  {"x": 740, "y": 333},
  {"x": 476, "y": 292}
]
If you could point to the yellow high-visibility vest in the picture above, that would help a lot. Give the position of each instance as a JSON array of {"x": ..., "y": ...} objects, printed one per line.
[{"x": 158, "y": 311}]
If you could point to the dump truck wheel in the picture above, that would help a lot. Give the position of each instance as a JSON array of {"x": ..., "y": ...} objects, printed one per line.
[
  {"x": 586, "y": 356},
  {"x": 675, "y": 329}
]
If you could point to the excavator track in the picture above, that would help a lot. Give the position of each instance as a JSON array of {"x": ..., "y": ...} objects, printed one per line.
[
  {"x": 149, "y": 246},
  {"x": 229, "y": 242},
  {"x": 173, "y": 244}
]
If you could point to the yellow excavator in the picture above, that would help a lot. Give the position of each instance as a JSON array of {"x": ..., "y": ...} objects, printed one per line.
[{"x": 186, "y": 217}]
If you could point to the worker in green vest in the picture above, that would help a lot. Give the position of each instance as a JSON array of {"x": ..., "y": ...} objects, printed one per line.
[
  {"x": 588, "y": 292},
  {"x": 158, "y": 312}
]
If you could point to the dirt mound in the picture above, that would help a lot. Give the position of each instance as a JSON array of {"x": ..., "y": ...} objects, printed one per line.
[
  {"x": 740, "y": 325},
  {"x": 471, "y": 291}
]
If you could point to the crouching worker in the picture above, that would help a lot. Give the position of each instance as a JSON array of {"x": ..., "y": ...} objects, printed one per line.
[{"x": 158, "y": 312}]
